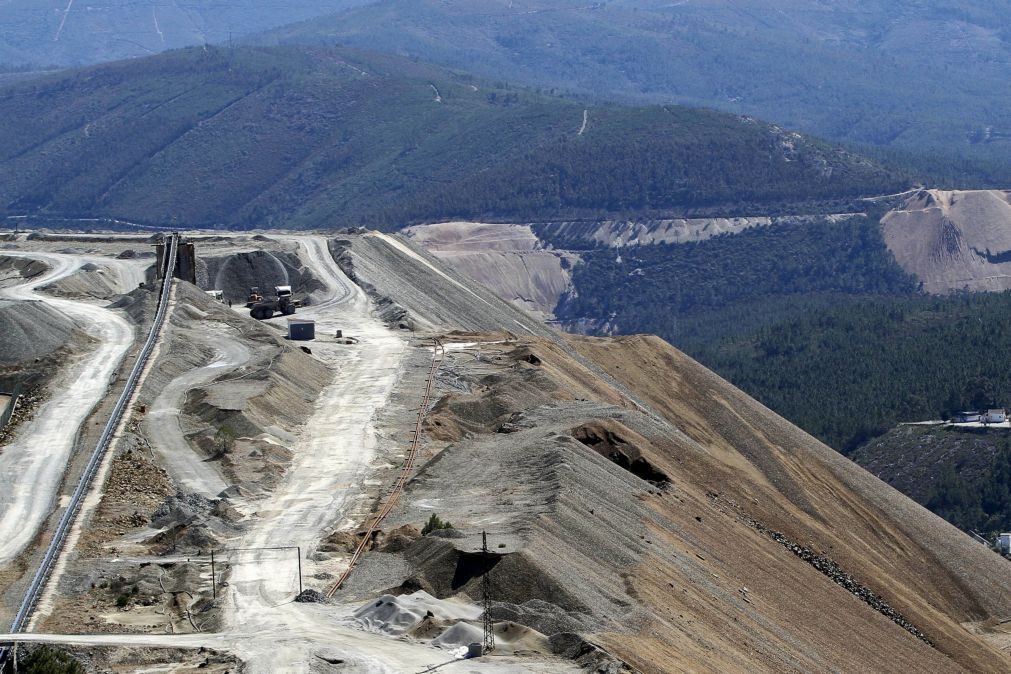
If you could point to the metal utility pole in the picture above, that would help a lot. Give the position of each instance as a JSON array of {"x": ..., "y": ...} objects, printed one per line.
[{"x": 489, "y": 629}]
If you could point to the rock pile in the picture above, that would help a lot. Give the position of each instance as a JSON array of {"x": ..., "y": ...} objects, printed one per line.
[
  {"x": 833, "y": 571},
  {"x": 310, "y": 596},
  {"x": 24, "y": 411},
  {"x": 840, "y": 577}
]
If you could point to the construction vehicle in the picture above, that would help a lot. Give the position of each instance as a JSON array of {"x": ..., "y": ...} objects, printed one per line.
[
  {"x": 283, "y": 302},
  {"x": 254, "y": 297}
]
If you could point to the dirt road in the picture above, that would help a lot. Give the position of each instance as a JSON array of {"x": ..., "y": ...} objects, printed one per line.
[
  {"x": 32, "y": 467},
  {"x": 188, "y": 470},
  {"x": 325, "y": 483},
  {"x": 360, "y": 651}
]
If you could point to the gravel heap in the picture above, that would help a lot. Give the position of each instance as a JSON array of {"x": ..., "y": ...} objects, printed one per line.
[
  {"x": 30, "y": 330},
  {"x": 397, "y": 615},
  {"x": 311, "y": 596},
  {"x": 235, "y": 274}
]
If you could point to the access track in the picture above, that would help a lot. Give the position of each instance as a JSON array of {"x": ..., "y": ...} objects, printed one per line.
[
  {"x": 66, "y": 522},
  {"x": 438, "y": 353}
]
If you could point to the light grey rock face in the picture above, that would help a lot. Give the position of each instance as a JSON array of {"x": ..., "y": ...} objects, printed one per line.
[{"x": 508, "y": 259}]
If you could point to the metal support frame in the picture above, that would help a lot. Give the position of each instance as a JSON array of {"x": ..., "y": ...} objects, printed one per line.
[{"x": 489, "y": 625}]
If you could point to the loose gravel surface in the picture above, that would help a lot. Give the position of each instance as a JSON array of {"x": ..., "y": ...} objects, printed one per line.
[
  {"x": 627, "y": 494},
  {"x": 30, "y": 478},
  {"x": 31, "y": 330}
]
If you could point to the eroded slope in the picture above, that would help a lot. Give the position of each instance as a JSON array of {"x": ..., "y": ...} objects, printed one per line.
[
  {"x": 509, "y": 259},
  {"x": 713, "y": 536},
  {"x": 922, "y": 566},
  {"x": 635, "y": 499},
  {"x": 953, "y": 240}
]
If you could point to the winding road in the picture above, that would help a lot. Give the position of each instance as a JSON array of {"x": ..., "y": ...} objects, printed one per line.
[
  {"x": 33, "y": 465},
  {"x": 189, "y": 470}
]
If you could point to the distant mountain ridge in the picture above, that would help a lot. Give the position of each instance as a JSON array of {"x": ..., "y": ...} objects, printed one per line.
[
  {"x": 924, "y": 81},
  {"x": 75, "y": 33},
  {"x": 902, "y": 74},
  {"x": 300, "y": 137}
]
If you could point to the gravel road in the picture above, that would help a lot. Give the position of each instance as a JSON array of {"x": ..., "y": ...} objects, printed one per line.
[
  {"x": 32, "y": 467},
  {"x": 319, "y": 637},
  {"x": 325, "y": 483},
  {"x": 189, "y": 470}
]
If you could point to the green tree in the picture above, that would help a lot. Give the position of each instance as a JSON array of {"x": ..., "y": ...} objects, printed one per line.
[
  {"x": 434, "y": 524},
  {"x": 47, "y": 660}
]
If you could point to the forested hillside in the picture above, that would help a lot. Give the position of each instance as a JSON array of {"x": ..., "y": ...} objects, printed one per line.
[
  {"x": 963, "y": 475},
  {"x": 717, "y": 287},
  {"x": 288, "y": 137},
  {"x": 816, "y": 320},
  {"x": 849, "y": 372},
  {"x": 904, "y": 74}
]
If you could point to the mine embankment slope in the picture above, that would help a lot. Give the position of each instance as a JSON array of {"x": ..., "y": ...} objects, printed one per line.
[
  {"x": 412, "y": 288},
  {"x": 953, "y": 240},
  {"x": 639, "y": 509},
  {"x": 925, "y": 568},
  {"x": 636, "y": 499},
  {"x": 613, "y": 524},
  {"x": 508, "y": 259},
  {"x": 409, "y": 284}
]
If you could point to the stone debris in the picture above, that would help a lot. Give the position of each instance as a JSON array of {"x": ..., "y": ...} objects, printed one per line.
[
  {"x": 831, "y": 569},
  {"x": 310, "y": 596},
  {"x": 27, "y": 404}
]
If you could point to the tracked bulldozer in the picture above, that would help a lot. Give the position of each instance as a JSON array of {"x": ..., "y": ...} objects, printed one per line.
[{"x": 254, "y": 297}]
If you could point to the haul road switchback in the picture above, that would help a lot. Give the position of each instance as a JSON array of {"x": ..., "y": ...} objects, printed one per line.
[{"x": 63, "y": 527}]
